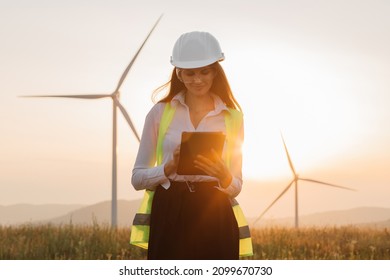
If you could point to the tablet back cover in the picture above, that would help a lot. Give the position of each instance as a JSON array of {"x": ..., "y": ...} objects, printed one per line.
[{"x": 198, "y": 143}]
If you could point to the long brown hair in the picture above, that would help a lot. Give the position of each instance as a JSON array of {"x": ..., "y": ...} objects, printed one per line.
[{"x": 220, "y": 87}]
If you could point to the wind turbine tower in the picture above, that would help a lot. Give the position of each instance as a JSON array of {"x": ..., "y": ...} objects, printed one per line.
[
  {"x": 294, "y": 182},
  {"x": 115, "y": 96}
]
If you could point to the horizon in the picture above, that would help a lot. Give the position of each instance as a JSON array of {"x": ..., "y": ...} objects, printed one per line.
[
  {"x": 90, "y": 214},
  {"x": 317, "y": 72}
]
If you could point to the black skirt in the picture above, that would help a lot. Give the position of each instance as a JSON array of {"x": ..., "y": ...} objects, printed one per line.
[{"x": 192, "y": 222}]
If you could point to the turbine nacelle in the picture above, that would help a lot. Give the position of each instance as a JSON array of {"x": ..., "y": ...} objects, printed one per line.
[{"x": 116, "y": 94}]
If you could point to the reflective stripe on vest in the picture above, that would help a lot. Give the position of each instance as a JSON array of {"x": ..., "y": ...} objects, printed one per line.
[{"x": 141, "y": 223}]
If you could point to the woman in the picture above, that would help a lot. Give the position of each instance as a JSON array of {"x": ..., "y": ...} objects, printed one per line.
[{"x": 191, "y": 215}]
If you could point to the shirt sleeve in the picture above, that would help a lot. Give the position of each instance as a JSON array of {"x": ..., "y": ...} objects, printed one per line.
[
  {"x": 145, "y": 174},
  {"x": 235, "y": 186}
]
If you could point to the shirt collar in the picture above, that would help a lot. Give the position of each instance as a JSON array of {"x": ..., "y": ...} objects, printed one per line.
[{"x": 218, "y": 103}]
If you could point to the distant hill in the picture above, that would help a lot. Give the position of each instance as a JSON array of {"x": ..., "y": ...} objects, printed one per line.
[
  {"x": 382, "y": 224},
  {"x": 64, "y": 214},
  {"x": 30, "y": 213},
  {"x": 362, "y": 216},
  {"x": 101, "y": 213}
]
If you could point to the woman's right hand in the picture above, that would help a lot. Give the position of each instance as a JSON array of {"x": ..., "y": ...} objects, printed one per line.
[{"x": 171, "y": 166}]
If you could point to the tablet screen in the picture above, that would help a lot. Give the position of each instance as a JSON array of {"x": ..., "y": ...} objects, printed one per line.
[{"x": 198, "y": 143}]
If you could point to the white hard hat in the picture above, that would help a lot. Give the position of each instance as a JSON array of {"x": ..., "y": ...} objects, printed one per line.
[{"x": 196, "y": 49}]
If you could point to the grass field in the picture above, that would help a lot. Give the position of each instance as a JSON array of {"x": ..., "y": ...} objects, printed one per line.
[{"x": 100, "y": 242}]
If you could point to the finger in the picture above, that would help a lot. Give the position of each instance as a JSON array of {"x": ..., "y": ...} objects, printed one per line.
[
  {"x": 218, "y": 167},
  {"x": 205, "y": 167},
  {"x": 215, "y": 156},
  {"x": 217, "y": 164},
  {"x": 176, "y": 153},
  {"x": 204, "y": 160}
]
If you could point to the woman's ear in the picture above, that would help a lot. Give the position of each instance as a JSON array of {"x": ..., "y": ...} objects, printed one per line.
[{"x": 178, "y": 72}]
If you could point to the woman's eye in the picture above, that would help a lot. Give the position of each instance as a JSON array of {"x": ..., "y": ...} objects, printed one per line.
[{"x": 207, "y": 71}]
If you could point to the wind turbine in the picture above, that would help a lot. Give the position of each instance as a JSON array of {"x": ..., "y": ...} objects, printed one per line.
[
  {"x": 115, "y": 95},
  {"x": 295, "y": 182}
]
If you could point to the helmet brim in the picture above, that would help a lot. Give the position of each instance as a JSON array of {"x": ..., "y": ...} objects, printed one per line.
[{"x": 195, "y": 64}]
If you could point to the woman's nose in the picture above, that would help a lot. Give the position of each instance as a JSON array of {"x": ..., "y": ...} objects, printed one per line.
[{"x": 197, "y": 79}]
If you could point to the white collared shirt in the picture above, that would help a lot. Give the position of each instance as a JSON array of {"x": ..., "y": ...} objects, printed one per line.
[{"x": 146, "y": 175}]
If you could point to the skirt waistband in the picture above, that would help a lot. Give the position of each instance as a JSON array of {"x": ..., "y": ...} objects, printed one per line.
[{"x": 192, "y": 186}]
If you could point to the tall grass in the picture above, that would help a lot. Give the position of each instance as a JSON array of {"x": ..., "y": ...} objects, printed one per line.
[
  {"x": 328, "y": 243},
  {"x": 101, "y": 242},
  {"x": 47, "y": 242}
]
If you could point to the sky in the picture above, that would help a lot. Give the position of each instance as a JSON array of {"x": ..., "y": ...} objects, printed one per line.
[{"x": 316, "y": 72}]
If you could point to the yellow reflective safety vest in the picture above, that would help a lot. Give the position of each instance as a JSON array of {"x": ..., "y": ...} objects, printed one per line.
[{"x": 141, "y": 223}]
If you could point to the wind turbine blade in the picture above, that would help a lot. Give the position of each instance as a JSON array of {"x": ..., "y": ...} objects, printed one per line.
[
  {"x": 127, "y": 117},
  {"x": 123, "y": 77},
  {"x": 78, "y": 96},
  {"x": 273, "y": 202},
  {"x": 323, "y": 183},
  {"x": 288, "y": 156}
]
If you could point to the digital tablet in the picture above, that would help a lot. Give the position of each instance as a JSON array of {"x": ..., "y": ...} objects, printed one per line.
[{"x": 198, "y": 143}]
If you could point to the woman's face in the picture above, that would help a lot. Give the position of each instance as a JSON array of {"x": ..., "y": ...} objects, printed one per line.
[{"x": 198, "y": 81}]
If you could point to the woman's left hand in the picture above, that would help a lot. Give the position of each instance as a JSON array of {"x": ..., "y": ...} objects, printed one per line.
[{"x": 214, "y": 167}]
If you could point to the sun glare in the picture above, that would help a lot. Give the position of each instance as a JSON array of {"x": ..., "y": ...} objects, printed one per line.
[{"x": 302, "y": 96}]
